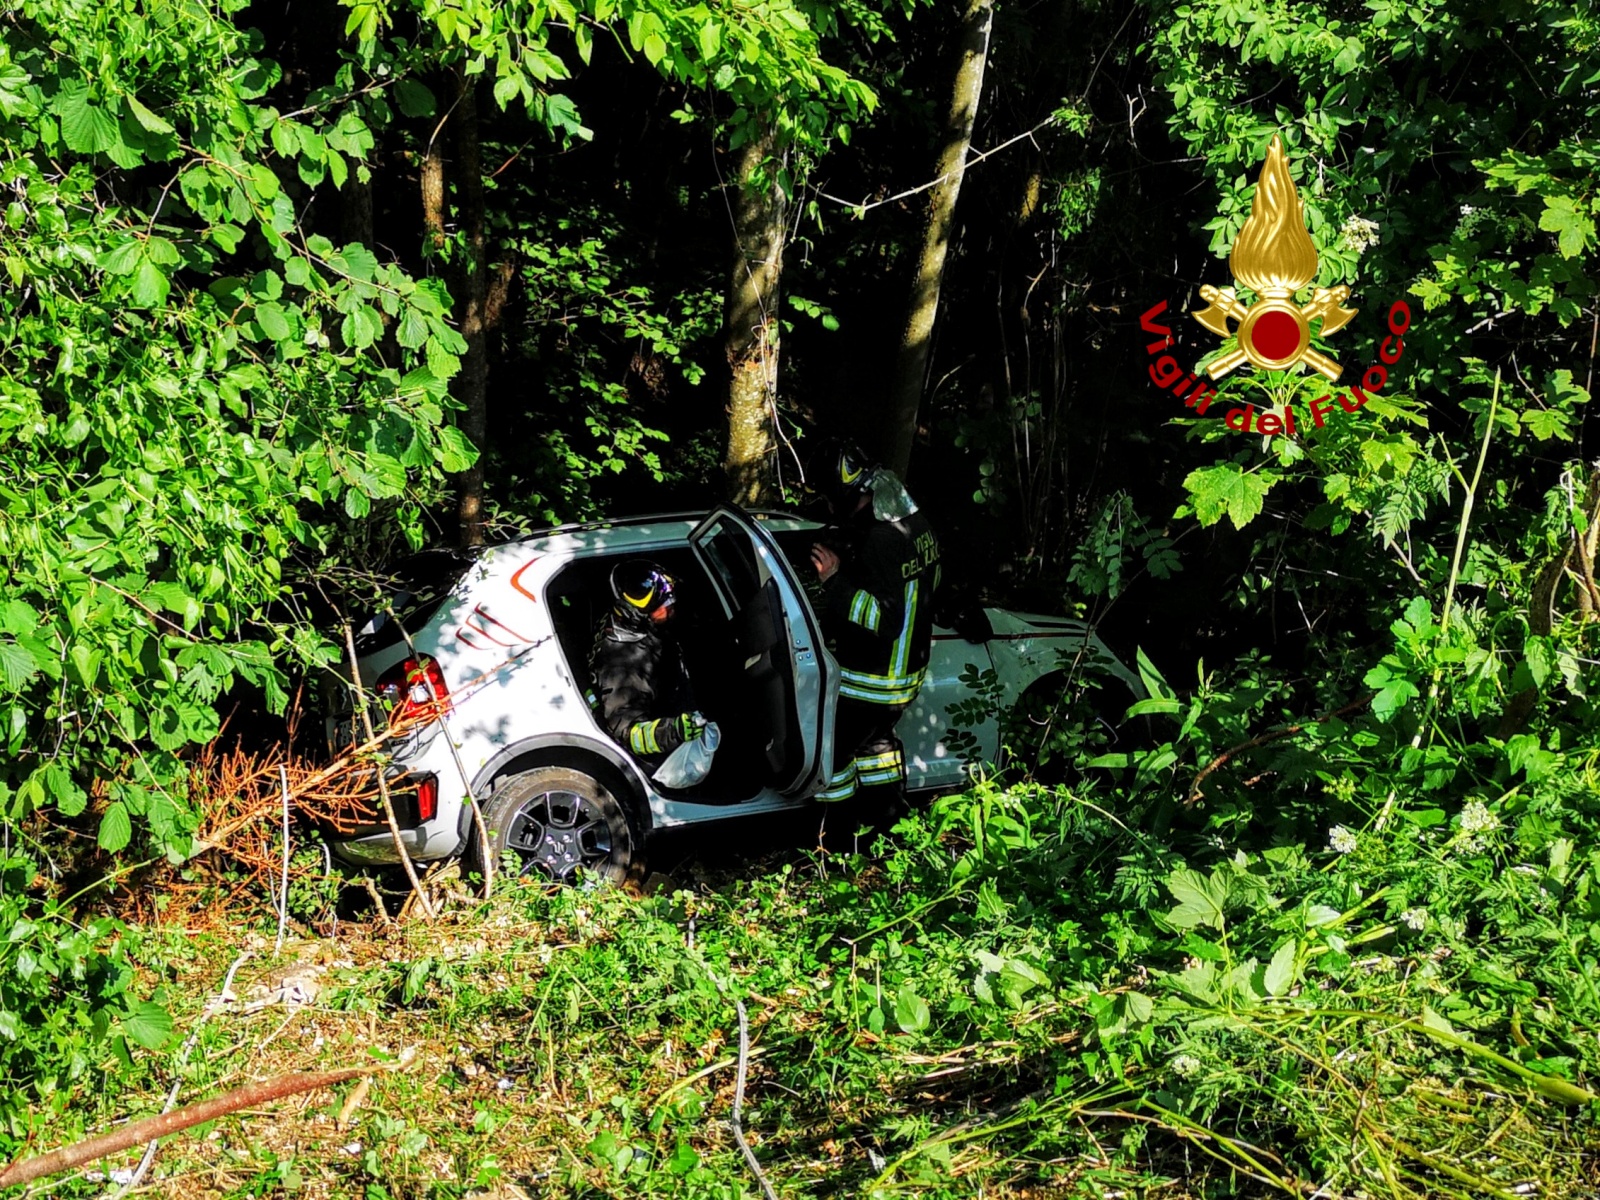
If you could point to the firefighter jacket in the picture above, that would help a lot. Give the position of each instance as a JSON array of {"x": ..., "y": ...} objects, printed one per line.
[
  {"x": 877, "y": 609},
  {"x": 640, "y": 687}
]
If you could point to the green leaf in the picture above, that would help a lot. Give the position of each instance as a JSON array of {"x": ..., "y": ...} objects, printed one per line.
[
  {"x": 85, "y": 662},
  {"x": 150, "y": 285},
  {"x": 1162, "y": 706},
  {"x": 1544, "y": 424},
  {"x": 146, "y": 118},
  {"x": 413, "y": 330},
  {"x": 414, "y": 99},
  {"x": 124, "y": 260},
  {"x": 710, "y": 39},
  {"x": 1574, "y": 228},
  {"x": 273, "y": 321},
  {"x": 17, "y": 666},
  {"x": 1138, "y": 1007},
  {"x": 1154, "y": 682},
  {"x": 1540, "y": 657},
  {"x": 911, "y": 1011},
  {"x": 360, "y": 328},
  {"x": 1228, "y": 490},
  {"x": 116, "y": 829},
  {"x": 173, "y": 598},
  {"x": 148, "y": 1025},
  {"x": 1321, "y": 914},
  {"x": 85, "y": 127},
  {"x": 1200, "y": 899},
  {"x": 69, "y": 797},
  {"x": 1112, "y": 761},
  {"x": 1280, "y": 971},
  {"x": 359, "y": 262},
  {"x": 286, "y": 138},
  {"x": 455, "y": 452}
]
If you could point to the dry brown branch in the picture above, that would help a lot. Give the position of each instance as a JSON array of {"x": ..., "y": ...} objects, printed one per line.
[
  {"x": 1262, "y": 740},
  {"x": 383, "y": 784},
  {"x": 249, "y": 1096}
]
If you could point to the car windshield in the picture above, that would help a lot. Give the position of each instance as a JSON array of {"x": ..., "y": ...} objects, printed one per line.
[{"x": 415, "y": 588}]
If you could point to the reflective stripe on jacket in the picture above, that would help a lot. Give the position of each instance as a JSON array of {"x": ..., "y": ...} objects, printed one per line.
[{"x": 877, "y": 610}]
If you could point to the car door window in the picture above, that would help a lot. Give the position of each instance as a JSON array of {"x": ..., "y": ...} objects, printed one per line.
[
  {"x": 731, "y": 559},
  {"x": 777, "y": 667}
]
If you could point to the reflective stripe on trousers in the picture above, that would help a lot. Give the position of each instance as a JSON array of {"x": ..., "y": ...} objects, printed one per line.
[{"x": 866, "y": 770}]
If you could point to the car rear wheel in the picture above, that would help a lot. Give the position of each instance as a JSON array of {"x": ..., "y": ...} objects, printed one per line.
[{"x": 561, "y": 825}]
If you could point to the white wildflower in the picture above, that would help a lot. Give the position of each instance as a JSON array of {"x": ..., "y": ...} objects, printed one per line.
[
  {"x": 1414, "y": 918},
  {"x": 1358, "y": 233},
  {"x": 1185, "y": 1065},
  {"x": 1476, "y": 818},
  {"x": 1341, "y": 839},
  {"x": 1467, "y": 210}
]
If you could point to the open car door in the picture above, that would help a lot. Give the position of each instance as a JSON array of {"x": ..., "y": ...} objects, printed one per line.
[{"x": 786, "y": 683}]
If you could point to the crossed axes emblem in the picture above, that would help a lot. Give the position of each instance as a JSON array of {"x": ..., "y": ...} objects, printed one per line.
[{"x": 1275, "y": 332}]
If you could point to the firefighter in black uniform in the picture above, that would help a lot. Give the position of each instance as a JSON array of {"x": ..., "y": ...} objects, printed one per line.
[
  {"x": 877, "y": 616},
  {"x": 641, "y": 689}
]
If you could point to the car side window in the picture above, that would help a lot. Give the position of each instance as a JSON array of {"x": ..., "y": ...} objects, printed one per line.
[{"x": 733, "y": 560}]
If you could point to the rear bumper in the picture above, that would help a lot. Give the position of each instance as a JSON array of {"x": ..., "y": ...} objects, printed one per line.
[{"x": 363, "y": 849}]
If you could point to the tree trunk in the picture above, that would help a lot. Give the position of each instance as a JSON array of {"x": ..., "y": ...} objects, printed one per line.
[
  {"x": 911, "y": 362},
  {"x": 433, "y": 191},
  {"x": 750, "y": 331},
  {"x": 472, "y": 384},
  {"x": 355, "y": 210}
]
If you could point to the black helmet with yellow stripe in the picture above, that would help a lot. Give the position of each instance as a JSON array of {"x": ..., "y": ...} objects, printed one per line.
[
  {"x": 644, "y": 593},
  {"x": 838, "y": 471}
]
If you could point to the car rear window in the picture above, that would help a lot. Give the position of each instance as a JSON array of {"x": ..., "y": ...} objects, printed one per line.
[{"x": 415, "y": 588}]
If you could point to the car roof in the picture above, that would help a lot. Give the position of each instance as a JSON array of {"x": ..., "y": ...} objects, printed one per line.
[{"x": 643, "y": 529}]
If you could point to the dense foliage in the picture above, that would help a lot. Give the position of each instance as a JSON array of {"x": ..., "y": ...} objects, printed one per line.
[{"x": 1327, "y": 891}]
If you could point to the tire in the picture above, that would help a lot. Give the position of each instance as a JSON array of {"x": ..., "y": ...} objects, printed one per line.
[{"x": 558, "y": 823}]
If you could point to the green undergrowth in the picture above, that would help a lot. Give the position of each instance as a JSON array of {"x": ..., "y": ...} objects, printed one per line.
[{"x": 1025, "y": 997}]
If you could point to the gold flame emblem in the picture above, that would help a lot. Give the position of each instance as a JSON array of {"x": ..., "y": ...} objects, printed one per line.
[{"x": 1275, "y": 258}]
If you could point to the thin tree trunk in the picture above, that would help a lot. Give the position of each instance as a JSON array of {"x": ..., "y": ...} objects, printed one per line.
[
  {"x": 355, "y": 211},
  {"x": 750, "y": 331},
  {"x": 911, "y": 363},
  {"x": 472, "y": 386},
  {"x": 433, "y": 190}
]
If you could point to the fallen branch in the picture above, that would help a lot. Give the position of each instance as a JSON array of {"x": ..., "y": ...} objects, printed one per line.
[
  {"x": 1264, "y": 738},
  {"x": 738, "y": 1105},
  {"x": 249, "y": 1096}
]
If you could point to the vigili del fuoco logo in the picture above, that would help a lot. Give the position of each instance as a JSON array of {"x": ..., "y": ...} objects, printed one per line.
[{"x": 1275, "y": 258}]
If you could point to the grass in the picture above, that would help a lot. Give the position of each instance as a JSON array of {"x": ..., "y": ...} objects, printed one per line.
[{"x": 1003, "y": 1007}]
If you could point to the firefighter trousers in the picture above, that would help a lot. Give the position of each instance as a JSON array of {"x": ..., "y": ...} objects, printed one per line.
[{"x": 868, "y": 788}]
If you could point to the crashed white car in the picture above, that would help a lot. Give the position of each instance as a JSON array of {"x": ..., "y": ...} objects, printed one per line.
[{"x": 493, "y": 649}]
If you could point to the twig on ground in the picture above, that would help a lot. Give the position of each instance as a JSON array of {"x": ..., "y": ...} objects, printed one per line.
[
  {"x": 352, "y": 1102},
  {"x": 738, "y": 1105},
  {"x": 283, "y": 892},
  {"x": 183, "y": 1060},
  {"x": 1262, "y": 739},
  {"x": 152, "y": 1128},
  {"x": 377, "y": 900}
]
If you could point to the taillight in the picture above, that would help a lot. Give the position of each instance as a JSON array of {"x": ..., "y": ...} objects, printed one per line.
[
  {"x": 410, "y": 688},
  {"x": 427, "y": 798}
]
